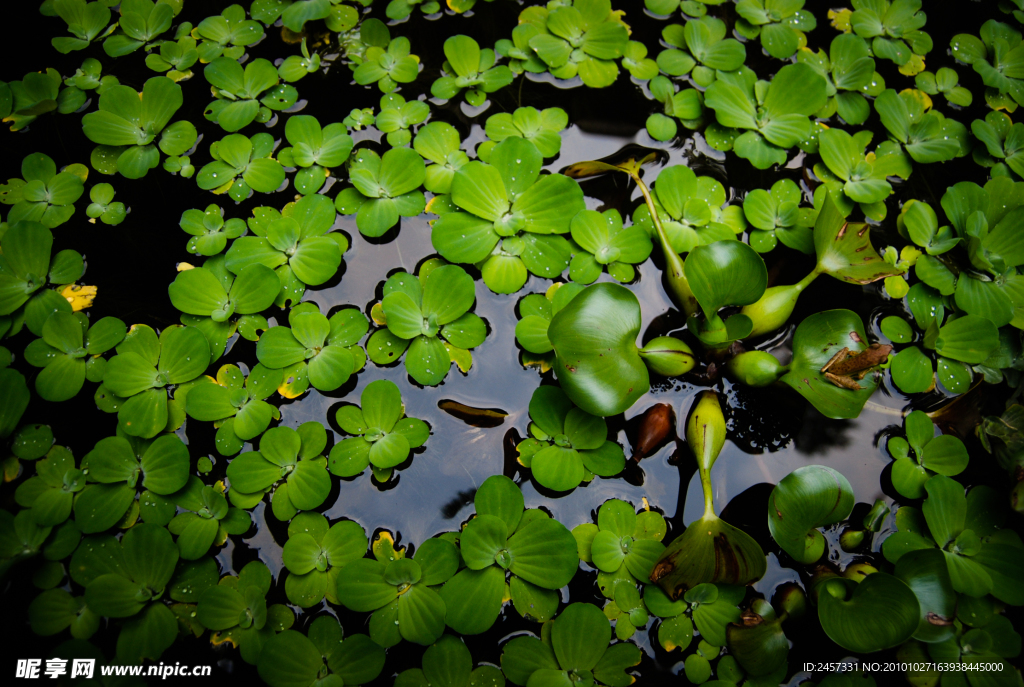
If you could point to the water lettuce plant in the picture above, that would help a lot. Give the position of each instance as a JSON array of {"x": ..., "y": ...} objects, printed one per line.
[
  {"x": 605, "y": 245},
  {"x": 448, "y": 663},
  {"x": 140, "y": 23},
  {"x": 780, "y": 25},
  {"x": 397, "y": 117},
  {"x": 775, "y": 216},
  {"x": 691, "y": 210},
  {"x": 295, "y": 67},
  {"x": 772, "y": 118},
  {"x": 926, "y": 135},
  {"x": 402, "y": 594},
  {"x": 535, "y": 313},
  {"x": 852, "y": 175},
  {"x": 288, "y": 463},
  {"x": 894, "y": 29},
  {"x": 469, "y": 67},
  {"x": 849, "y": 72},
  {"x": 577, "y": 651},
  {"x": 226, "y": 34},
  {"x": 236, "y": 402},
  {"x": 220, "y": 294},
  {"x": 145, "y": 365},
  {"x": 314, "y": 350},
  {"x": 121, "y": 467},
  {"x": 314, "y": 555},
  {"x": 291, "y": 659},
  {"x": 244, "y": 95},
  {"x": 382, "y": 436},
  {"x": 686, "y": 106},
  {"x": 387, "y": 62},
  {"x": 69, "y": 352},
  {"x": 314, "y": 150},
  {"x": 991, "y": 54},
  {"x": 175, "y": 58},
  {"x": 700, "y": 48},
  {"x": 87, "y": 21},
  {"x": 50, "y": 494},
  {"x": 623, "y": 546},
  {"x": 27, "y": 269},
  {"x": 242, "y": 165},
  {"x": 236, "y": 609},
  {"x": 205, "y": 519},
  {"x": 427, "y": 317},
  {"x": 103, "y": 207},
  {"x": 209, "y": 230},
  {"x": 295, "y": 13},
  {"x": 384, "y": 188},
  {"x": 43, "y": 194},
  {"x": 439, "y": 142},
  {"x": 126, "y": 580},
  {"x": 507, "y": 547},
  {"x": 127, "y": 124},
  {"x": 964, "y": 529},
  {"x": 510, "y": 218},
  {"x": 541, "y": 127},
  {"x": 944, "y": 454},
  {"x": 567, "y": 445},
  {"x": 711, "y": 608},
  {"x": 582, "y": 38},
  {"x": 710, "y": 549}
]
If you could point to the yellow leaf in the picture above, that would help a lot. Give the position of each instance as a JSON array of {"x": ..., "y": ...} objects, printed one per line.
[
  {"x": 647, "y": 505},
  {"x": 920, "y": 96},
  {"x": 915, "y": 65},
  {"x": 12, "y": 468},
  {"x": 460, "y": 356},
  {"x": 217, "y": 638},
  {"x": 79, "y": 170},
  {"x": 182, "y": 266},
  {"x": 384, "y": 547},
  {"x": 909, "y": 254},
  {"x": 841, "y": 20},
  {"x": 378, "y": 316},
  {"x": 80, "y": 297},
  {"x": 541, "y": 361},
  {"x": 507, "y": 596},
  {"x": 224, "y": 188}
]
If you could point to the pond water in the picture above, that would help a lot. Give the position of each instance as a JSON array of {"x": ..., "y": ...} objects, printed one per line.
[{"x": 772, "y": 431}]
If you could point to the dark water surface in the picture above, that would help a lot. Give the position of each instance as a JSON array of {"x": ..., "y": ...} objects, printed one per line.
[{"x": 772, "y": 431}]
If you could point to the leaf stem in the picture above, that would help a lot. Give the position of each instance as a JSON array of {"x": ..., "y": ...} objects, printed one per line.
[{"x": 673, "y": 262}]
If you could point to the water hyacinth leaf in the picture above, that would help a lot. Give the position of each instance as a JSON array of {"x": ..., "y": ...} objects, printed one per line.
[
  {"x": 603, "y": 318},
  {"x": 878, "y": 613},
  {"x": 807, "y": 498},
  {"x": 725, "y": 273},
  {"x": 844, "y": 248},
  {"x": 925, "y": 572},
  {"x": 817, "y": 339}
]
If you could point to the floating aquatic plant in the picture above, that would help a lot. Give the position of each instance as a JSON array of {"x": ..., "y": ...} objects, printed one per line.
[
  {"x": 382, "y": 435},
  {"x": 427, "y": 317},
  {"x": 568, "y": 445}
]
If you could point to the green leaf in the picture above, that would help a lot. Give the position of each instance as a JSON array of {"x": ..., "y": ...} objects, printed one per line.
[
  {"x": 878, "y": 613},
  {"x": 969, "y": 339},
  {"x": 725, "y": 273},
  {"x": 580, "y": 637},
  {"x": 817, "y": 339},
  {"x": 603, "y": 318},
  {"x": 808, "y": 498}
]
